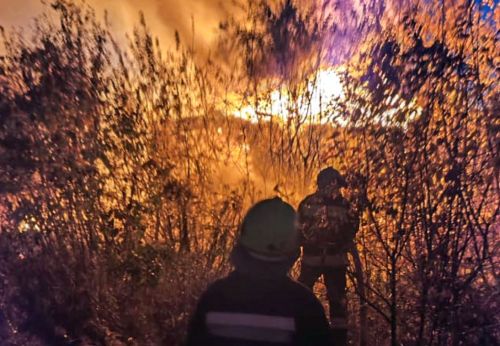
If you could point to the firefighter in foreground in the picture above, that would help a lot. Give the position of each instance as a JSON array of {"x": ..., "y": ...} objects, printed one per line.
[
  {"x": 258, "y": 304},
  {"x": 328, "y": 227}
]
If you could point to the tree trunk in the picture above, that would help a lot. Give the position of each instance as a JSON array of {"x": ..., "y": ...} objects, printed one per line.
[{"x": 394, "y": 319}]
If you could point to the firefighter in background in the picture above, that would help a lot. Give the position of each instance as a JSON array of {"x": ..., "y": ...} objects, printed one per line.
[
  {"x": 328, "y": 226},
  {"x": 258, "y": 304}
]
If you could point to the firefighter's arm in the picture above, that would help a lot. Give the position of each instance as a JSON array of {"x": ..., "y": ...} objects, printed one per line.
[
  {"x": 352, "y": 219},
  {"x": 301, "y": 224},
  {"x": 313, "y": 329},
  {"x": 197, "y": 331},
  {"x": 353, "y": 222}
]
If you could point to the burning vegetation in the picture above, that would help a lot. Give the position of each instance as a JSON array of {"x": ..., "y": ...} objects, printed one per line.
[{"x": 125, "y": 168}]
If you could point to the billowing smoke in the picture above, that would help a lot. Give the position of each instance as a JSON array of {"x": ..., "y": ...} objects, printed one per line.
[{"x": 164, "y": 17}]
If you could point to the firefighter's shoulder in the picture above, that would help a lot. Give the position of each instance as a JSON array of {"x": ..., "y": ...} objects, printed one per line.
[{"x": 310, "y": 200}]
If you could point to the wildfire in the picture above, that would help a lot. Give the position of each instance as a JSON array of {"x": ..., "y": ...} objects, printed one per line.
[{"x": 320, "y": 94}]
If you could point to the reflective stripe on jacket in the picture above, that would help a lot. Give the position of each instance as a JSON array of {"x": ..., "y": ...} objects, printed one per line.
[{"x": 255, "y": 327}]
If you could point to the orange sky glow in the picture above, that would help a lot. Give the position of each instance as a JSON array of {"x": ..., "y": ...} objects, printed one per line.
[{"x": 163, "y": 16}]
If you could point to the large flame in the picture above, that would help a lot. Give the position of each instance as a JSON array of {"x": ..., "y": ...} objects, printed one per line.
[{"x": 320, "y": 94}]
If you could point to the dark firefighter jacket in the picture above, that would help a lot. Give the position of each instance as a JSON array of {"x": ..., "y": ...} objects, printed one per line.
[
  {"x": 258, "y": 305},
  {"x": 328, "y": 227}
]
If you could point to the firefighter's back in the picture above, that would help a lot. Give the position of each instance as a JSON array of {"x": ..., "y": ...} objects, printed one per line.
[{"x": 246, "y": 310}]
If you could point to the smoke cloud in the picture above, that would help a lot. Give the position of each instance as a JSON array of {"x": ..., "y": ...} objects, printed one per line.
[{"x": 164, "y": 17}]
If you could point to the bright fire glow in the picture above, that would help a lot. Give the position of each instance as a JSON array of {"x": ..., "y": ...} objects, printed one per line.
[{"x": 317, "y": 99}]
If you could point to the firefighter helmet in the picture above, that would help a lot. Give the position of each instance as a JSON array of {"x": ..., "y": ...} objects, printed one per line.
[
  {"x": 269, "y": 231},
  {"x": 329, "y": 175}
]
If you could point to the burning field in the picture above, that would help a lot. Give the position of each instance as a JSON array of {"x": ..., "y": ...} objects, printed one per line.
[{"x": 131, "y": 143}]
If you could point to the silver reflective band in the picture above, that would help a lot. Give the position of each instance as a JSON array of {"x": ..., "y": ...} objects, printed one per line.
[
  {"x": 253, "y": 327},
  {"x": 340, "y": 213}
]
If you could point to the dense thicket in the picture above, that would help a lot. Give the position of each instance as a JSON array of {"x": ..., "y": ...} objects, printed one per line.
[{"x": 124, "y": 171}]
